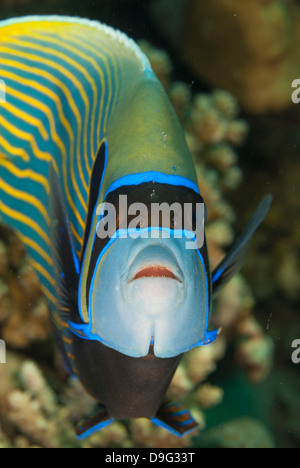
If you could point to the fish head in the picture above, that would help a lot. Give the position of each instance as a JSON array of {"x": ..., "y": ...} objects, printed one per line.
[{"x": 147, "y": 288}]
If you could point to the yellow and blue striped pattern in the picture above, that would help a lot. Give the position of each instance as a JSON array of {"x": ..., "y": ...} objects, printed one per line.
[{"x": 62, "y": 78}]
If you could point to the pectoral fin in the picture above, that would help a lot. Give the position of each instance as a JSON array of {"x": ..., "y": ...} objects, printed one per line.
[
  {"x": 175, "y": 419},
  {"x": 236, "y": 256}
]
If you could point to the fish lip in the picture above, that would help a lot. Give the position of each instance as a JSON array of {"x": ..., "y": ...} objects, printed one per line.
[
  {"x": 169, "y": 269},
  {"x": 145, "y": 272}
]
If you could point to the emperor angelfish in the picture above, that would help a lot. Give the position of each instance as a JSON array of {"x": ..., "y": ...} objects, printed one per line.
[{"x": 84, "y": 122}]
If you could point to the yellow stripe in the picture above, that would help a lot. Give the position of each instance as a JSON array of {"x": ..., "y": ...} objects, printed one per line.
[
  {"x": 71, "y": 102},
  {"x": 30, "y": 199},
  {"x": 36, "y": 103},
  {"x": 14, "y": 150},
  {"x": 57, "y": 140},
  {"x": 42, "y": 271},
  {"x": 76, "y": 235},
  {"x": 97, "y": 52},
  {"x": 81, "y": 69},
  {"x": 36, "y": 86},
  {"x": 51, "y": 120},
  {"x": 39, "y": 154},
  {"x": 52, "y": 64},
  {"x": 28, "y": 118},
  {"x": 69, "y": 341},
  {"x": 31, "y": 101},
  {"x": 48, "y": 294},
  {"x": 16, "y": 216},
  {"x": 59, "y": 322},
  {"x": 24, "y": 173},
  {"x": 70, "y": 35},
  {"x": 40, "y": 106},
  {"x": 30, "y": 243},
  {"x": 115, "y": 53},
  {"x": 16, "y": 132}
]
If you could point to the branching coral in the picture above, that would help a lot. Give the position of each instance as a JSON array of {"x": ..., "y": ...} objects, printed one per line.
[
  {"x": 23, "y": 310},
  {"x": 32, "y": 411}
]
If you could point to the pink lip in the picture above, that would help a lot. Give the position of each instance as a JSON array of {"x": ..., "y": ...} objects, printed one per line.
[{"x": 155, "y": 272}]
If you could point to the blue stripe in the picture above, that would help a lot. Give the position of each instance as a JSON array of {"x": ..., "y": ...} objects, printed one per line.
[
  {"x": 217, "y": 275},
  {"x": 160, "y": 423},
  {"x": 152, "y": 176},
  {"x": 94, "y": 429}
]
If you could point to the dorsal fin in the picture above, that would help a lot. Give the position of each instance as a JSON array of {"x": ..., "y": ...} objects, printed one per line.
[{"x": 235, "y": 258}]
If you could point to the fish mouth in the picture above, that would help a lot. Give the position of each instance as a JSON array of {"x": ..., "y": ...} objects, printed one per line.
[
  {"x": 155, "y": 261},
  {"x": 155, "y": 271}
]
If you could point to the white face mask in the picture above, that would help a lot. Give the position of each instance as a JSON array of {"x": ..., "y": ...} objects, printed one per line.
[{"x": 149, "y": 291}]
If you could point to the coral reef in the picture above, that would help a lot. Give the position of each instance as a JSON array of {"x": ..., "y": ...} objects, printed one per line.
[
  {"x": 243, "y": 433},
  {"x": 31, "y": 410},
  {"x": 39, "y": 405},
  {"x": 20, "y": 292},
  {"x": 216, "y": 40}
]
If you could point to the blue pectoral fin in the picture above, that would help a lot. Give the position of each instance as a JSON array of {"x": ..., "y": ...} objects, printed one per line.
[
  {"x": 93, "y": 425},
  {"x": 82, "y": 331},
  {"x": 236, "y": 256},
  {"x": 210, "y": 337},
  {"x": 175, "y": 419}
]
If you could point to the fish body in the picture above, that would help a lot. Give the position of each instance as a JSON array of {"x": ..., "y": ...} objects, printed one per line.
[{"x": 86, "y": 122}]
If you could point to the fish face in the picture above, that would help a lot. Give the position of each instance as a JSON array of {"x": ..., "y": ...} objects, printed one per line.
[
  {"x": 155, "y": 282},
  {"x": 149, "y": 292}
]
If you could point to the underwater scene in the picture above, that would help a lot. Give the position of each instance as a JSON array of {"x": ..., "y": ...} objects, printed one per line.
[{"x": 149, "y": 224}]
